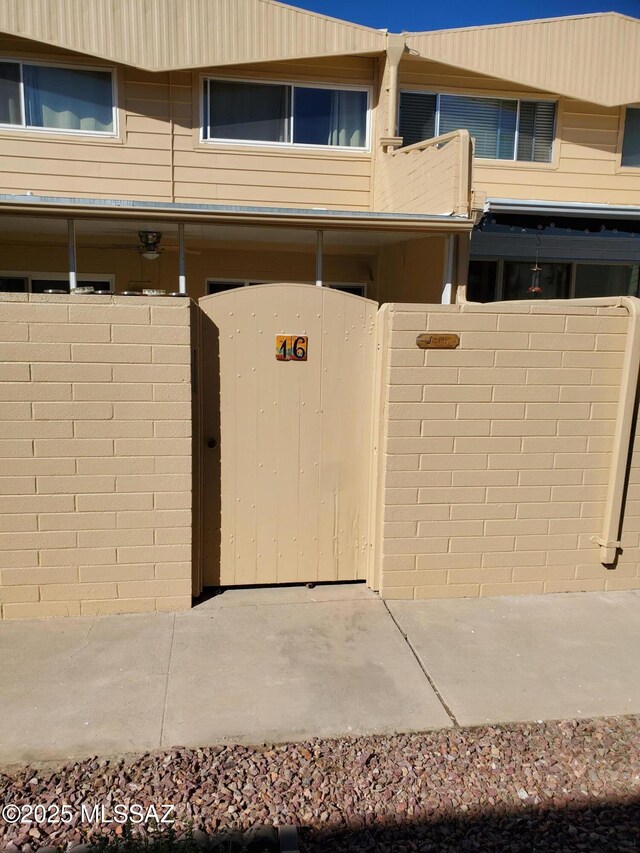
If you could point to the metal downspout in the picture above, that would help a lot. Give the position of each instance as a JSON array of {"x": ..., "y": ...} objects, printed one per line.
[
  {"x": 319, "y": 258},
  {"x": 71, "y": 240},
  {"x": 182, "y": 277},
  {"x": 447, "y": 284},
  {"x": 396, "y": 47},
  {"x": 609, "y": 541}
]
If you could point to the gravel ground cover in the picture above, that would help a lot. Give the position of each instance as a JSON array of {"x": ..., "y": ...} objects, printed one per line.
[{"x": 565, "y": 786}]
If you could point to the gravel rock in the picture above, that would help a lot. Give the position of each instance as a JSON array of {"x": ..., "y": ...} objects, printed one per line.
[{"x": 562, "y": 786}]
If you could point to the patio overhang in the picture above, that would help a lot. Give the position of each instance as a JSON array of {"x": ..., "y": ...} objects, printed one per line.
[
  {"x": 533, "y": 207},
  {"x": 309, "y": 218},
  {"x": 82, "y": 240}
]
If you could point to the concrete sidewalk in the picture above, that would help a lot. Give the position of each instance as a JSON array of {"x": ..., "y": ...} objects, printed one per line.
[{"x": 292, "y": 663}]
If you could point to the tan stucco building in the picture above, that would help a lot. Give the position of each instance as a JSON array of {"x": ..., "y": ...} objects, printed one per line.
[{"x": 159, "y": 132}]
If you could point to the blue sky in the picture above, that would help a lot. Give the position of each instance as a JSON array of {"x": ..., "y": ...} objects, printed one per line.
[{"x": 399, "y": 15}]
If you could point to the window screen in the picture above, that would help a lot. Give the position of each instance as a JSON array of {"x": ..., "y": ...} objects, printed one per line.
[
  {"x": 56, "y": 98},
  {"x": 10, "y": 99},
  {"x": 490, "y": 121},
  {"x": 254, "y": 112},
  {"x": 606, "y": 280},
  {"x": 631, "y": 140},
  {"x": 329, "y": 117},
  {"x": 536, "y": 131},
  {"x": 481, "y": 281},
  {"x": 494, "y": 123},
  {"x": 417, "y": 117},
  {"x": 302, "y": 115},
  {"x": 13, "y": 285},
  {"x": 68, "y": 99},
  {"x": 221, "y": 286},
  {"x": 552, "y": 279}
]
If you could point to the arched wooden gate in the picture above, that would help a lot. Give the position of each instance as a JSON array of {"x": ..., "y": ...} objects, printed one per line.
[{"x": 286, "y": 443}]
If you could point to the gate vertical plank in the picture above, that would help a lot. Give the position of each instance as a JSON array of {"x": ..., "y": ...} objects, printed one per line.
[
  {"x": 355, "y": 439},
  {"x": 228, "y": 445},
  {"x": 267, "y": 435},
  {"x": 332, "y": 425},
  {"x": 290, "y": 378},
  {"x": 246, "y": 438},
  {"x": 350, "y": 518},
  {"x": 350, "y": 437},
  {"x": 310, "y": 442}
]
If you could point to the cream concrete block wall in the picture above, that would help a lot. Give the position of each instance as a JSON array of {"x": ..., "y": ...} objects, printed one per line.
[
  {"x": 496, "y": 454},
  {"x": 95, "y": 455}
]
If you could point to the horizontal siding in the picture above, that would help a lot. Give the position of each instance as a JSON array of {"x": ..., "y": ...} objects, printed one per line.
[
  {"x": 228, "y": 174},
  {"x": 159, "y": 156},
  {"x": 269, "y": 196},
  {"x": 135, "y": 166},
  {"x": 587, "y": 136}
]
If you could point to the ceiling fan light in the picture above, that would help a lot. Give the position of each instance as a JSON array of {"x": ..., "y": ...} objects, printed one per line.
[{"x": 149, "y": 244}]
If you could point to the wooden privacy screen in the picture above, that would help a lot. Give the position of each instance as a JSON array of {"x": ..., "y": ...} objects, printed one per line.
[{"x": 287, "y": 428}]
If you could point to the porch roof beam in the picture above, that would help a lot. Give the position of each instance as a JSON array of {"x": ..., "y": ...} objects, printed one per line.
[{"x": 275, "y": 217}]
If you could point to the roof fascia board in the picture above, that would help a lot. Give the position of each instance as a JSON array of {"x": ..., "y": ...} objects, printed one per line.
[
  {"x": 581, "y": 209},
  {"x": 84, "y": 208},
  {"x": 317, "y": 15},
  {"x": 528, "y": 21}
]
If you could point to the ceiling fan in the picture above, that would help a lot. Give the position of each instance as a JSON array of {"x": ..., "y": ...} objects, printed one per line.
[{"x": 150, "y": 244}]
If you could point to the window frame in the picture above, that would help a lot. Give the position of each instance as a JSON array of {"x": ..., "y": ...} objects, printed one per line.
[
  {"x": 249, "y": 282},
  {"x": 621, "y": 167},
  {"x": 501, "y": 96},
  {"x": 57, "y": 276},
  {"x": 573, "y": 271},
  {"x": 204, "y": 98},
  {"x": 30, "y": 128}
]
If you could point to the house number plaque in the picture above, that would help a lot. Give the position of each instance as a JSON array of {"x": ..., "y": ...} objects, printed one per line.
[
  {"x": 291, "y": 347},
  {"x": 438, "y": 341}
]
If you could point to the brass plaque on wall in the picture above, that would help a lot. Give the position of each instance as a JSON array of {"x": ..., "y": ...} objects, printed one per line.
[{"x": 444, "y": 341}]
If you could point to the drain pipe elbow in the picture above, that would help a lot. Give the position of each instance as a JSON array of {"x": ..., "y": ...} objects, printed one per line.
[{"x": 621, "y": 453}]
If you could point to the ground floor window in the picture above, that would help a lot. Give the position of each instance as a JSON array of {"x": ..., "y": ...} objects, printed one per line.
[
  {"x": 215, "y": 285},
  {"x": 33, "y": 282},
  {"x": 492, "y": 280}
]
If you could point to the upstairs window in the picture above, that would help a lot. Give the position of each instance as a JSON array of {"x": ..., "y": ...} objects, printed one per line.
[
  {"x": 51, "y": 97},
  {"x": 281, "y": 113},
  {"x": 503, "y": 129},
  {"x": 631, "y": 139}
]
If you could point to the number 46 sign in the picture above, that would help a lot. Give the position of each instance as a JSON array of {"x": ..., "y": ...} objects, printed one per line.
[{"x": 291, "y": 347}]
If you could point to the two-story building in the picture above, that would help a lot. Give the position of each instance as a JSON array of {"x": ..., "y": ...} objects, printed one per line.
[
  {"x": 212, "y": 144},
  {"x": 200, "y": 146},
  {"x": 553, "y": 108},
  {"x": 291, "y": 433}
]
